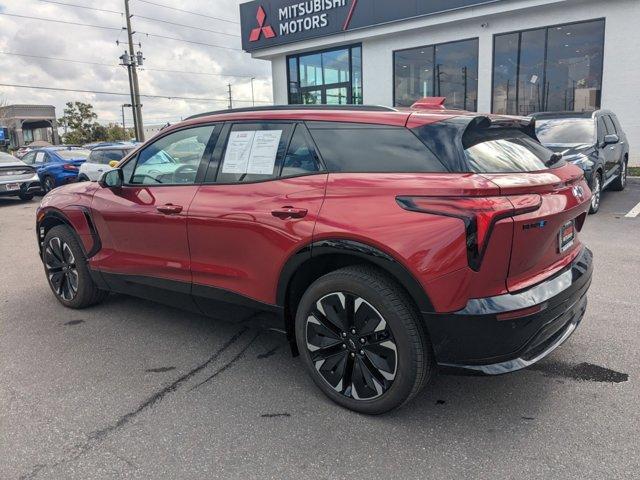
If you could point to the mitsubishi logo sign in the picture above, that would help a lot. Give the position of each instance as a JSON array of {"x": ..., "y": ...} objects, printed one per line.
[{"x": 268, "y": 32}]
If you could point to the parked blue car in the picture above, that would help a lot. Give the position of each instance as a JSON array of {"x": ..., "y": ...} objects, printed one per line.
[{"x": 56, "y": 165}]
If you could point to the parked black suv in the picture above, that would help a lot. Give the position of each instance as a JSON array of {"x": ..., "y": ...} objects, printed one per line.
[{"x": 592, "y": 140}]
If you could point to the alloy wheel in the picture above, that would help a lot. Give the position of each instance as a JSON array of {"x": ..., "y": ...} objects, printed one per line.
[
  {"x": 596, "y": 192},
  {"x": 61, "y": 268},
  {"x": 351, "y": 346},
  {"x": 49, "y": 184}
]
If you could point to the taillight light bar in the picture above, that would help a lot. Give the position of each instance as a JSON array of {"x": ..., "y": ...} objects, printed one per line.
[
  {"x": 70, "y": 167},
  {"x": 479, "y": 215}
]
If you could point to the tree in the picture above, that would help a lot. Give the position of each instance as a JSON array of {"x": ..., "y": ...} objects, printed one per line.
[{"x": 78, "y": 122}]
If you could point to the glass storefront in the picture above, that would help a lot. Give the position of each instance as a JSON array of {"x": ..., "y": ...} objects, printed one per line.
[
  {"x": 332, "y": 77},
  {"x": 445, "y": 70},
  {"x": 549, "y": 69}
]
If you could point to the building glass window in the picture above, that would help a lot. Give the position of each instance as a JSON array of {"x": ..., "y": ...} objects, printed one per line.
[
  {"x": 549, "y": 69},
  {"x": 332, "y": 77},
  {"x": 445, "y": 70}
]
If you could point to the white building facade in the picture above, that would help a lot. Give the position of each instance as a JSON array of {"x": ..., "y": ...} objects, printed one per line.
[{"x": 500, "y": 56}]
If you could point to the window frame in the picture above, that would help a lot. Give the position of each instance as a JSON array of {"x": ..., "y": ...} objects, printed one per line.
[
  {"x": 350, "y": 89},
  {"x": 204, "y": 161},
  {"x": 546, "y": 48},
  {"x": 433, "y": 45}
]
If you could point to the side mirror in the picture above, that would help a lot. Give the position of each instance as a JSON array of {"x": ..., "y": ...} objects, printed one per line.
[
  {"x": 113, "y": 163},
  {"x": 112, "y": 179},
  {"x": 611, "y": 139}
]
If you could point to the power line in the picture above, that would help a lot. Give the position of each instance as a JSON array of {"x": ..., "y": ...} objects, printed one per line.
[
  {"x": 242, "y": 75},
  {"x": 187, "y": 41},
  {"x": 186, "y": 26},
  {"x": 60, "y": 21},
  {"x": 168, "y": 97},
  {"x": 81, "y": 6},
  {"x": 187, "y": 11}
]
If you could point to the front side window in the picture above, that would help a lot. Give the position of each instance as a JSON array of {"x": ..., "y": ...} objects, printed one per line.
[
  {"x": 371, "y": 148},
  {"x": 569, "y": 131},
  {"x": 332, "y": 77},
  {"x": 504, "y": 151},
  {"x": 253, "y": 152},
  {"x": 549, "y": 69},
  {"x": 163, "y": 163},
  {"x": 447, "y": 70}
]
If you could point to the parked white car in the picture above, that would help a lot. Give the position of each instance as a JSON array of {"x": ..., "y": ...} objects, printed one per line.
[{"x": 98, "y": 161}]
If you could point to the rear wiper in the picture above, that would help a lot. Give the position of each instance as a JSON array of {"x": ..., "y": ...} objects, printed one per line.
[{"x": 555, "y": 158}]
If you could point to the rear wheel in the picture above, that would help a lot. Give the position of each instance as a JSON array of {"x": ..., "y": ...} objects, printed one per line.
[
  {"x": 48, "y": 184},
  {"x": 621, "y": 180},
  {"x": 67, "y": 271},
  {"x": 26, "y": 196},
  {"x": 596, "y": 192},
  {"x": 362, "y": 341}
]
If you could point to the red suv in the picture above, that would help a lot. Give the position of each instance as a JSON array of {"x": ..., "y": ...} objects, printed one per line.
[{"x": 385, "y": 242}]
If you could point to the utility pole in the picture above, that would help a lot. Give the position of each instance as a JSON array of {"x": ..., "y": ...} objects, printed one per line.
[
  {"x": 230, "y": 97},
  {"x": 124, "y": 127},
  {"x": 133, "y": 78}
]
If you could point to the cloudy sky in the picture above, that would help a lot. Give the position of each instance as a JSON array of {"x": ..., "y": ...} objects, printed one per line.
[{"x": 98, "y": 46}]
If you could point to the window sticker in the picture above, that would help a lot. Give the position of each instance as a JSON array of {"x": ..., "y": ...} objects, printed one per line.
[
  {"x": 236, "y": 158},
  {"x": 264, "y": 152},
  {"x": 252, "y": 152}
]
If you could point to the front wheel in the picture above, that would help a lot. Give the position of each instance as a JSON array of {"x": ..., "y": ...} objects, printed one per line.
[
  {"x": 67, "y": 271},
  {"x": 596, "y": 192},
  {"x": 362, "y": 341},
  {"x": 621, "y": 180}
]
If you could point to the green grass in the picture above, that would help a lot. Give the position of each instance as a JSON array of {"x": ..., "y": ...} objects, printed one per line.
[{"x": 634, "y": 171}]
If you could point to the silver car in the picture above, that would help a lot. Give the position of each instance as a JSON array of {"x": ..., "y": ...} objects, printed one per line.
[{"x": 17, "y": 178}]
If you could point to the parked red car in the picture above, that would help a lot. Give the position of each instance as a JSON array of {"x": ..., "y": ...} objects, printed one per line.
[{"x": 385, "y": 242}]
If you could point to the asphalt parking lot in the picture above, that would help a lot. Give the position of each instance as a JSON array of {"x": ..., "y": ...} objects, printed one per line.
[{"x": 132, "y": 389}]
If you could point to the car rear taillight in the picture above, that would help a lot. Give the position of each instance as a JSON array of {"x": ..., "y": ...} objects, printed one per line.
[
  {"x": 479, "y": 215},
  {"x": 70, "y": 167}
]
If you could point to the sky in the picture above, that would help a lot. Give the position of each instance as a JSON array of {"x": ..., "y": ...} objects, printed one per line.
[{"x": 39, "y": 38}]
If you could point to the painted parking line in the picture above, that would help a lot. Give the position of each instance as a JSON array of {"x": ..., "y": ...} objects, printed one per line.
[{"x": 634, "y": 212}]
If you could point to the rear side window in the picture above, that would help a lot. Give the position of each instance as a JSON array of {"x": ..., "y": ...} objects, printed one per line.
[
  {"x": 504, "y": 151},
  {"x": 110, "y": 155},
  {"x": 372, "y": 148}
]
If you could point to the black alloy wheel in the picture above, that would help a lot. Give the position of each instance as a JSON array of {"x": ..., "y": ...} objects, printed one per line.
[
  {"x": 62, "y": 271},
  {"x": 351, "y": 346},
  {"x": 49, "y": 184},
  {"x": 596, "y": 192},
  {"x": 362, "y": 340}
]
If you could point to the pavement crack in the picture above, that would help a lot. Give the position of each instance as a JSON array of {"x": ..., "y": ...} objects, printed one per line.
[
  {"x": 229, "y": 364},
  {"x": 98, "y": 436}
]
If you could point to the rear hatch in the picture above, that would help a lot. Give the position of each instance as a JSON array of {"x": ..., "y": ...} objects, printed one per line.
[{"x": 550, "y": 197}]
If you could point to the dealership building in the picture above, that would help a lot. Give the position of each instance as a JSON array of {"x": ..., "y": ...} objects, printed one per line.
[{"x": 501, "y": 56}]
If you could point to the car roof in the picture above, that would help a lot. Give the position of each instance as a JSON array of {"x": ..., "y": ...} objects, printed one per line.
[{"x": 115, "y": 146}]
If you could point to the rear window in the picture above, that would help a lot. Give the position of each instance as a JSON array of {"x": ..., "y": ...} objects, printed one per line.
[
  {"x": 504, "y": 151},
  {"x": 566, "y": 131},
  {"x": 6, "y": 158},
  {"x": 371, "y": 148},
  {"x": 73, "y": 154}
]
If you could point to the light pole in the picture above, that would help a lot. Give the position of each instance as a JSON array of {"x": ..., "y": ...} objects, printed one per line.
[
  {"x": 253, "y": 98},
  {"x": 124, "y": 128},
  {"x": 132, "y": 60}
]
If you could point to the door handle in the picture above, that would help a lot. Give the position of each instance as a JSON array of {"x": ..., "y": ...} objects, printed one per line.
[
  {"x": 169, "y": 209},
  {"x": 289, "y": 212}
]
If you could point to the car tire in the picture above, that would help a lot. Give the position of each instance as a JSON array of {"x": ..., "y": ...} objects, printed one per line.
[
  {"x": 596, "y": 192},
  {"x": 26, "y": 196},
  {"x": 67, "y": 272},
  {"x": 621, "y": 180},
  {"x": 48, "y": 184},
  {"x": 374, "y": 361}
]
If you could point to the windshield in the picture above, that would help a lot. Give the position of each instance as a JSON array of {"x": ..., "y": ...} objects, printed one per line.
[
  {"x": 6, "y": 158},
  {"x": 566, "y": 131},
  {"x": 73, "y": 154}
]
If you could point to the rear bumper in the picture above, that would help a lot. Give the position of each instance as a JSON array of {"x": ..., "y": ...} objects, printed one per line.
[
  {"x": 30, "y": 186},
  {"x": 545, "y": 315}
]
